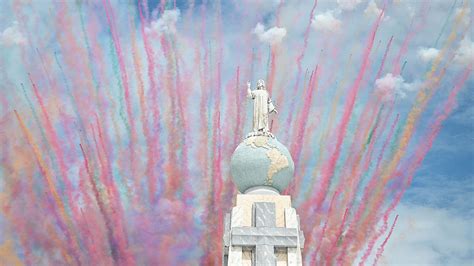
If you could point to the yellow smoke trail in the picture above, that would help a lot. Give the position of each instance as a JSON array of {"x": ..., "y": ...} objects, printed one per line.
[
  {"x": 422, "y": 98},
  {"x": 424, "y": 95},
  {"x": 8, "y": 255},
  {"x": 48, "y": 177}
]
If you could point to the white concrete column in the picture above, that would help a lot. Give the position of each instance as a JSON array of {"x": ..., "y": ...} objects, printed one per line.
[
  {"x": 291, "y": 221},
  {"x": 235, "y": 253}
]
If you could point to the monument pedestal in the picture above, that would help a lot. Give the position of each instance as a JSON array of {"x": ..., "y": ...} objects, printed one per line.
[{"x": 262, "y": 230}]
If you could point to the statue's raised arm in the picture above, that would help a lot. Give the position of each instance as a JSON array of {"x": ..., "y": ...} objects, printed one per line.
[
  {"x": 249, "y": 92},
  {"x": 262, "y": 107}
]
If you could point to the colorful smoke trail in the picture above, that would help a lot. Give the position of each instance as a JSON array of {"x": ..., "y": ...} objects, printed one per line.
[{"x": 118, "y": 122}]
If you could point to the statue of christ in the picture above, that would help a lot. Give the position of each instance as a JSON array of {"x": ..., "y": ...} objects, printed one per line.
[{"x": 262, "y": 107}]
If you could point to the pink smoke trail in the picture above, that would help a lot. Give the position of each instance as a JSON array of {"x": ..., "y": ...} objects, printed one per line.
[
  {"x": 385, "y": 225},
  {"x": 368, "y": 189},
  {"x": 217, "y": 170},
  {"x": 381, "y": 248},
  {"x": 413, "y": 31},
  {"x": 302, "y": 121},
  {"x": 53, "y": 139},
  {"x": 357, "y": 168},
  {"x": 230, "y": 136},
  {"x": 359, "y": 144},
  {"x": 181, "y": 101},
  {"x": 238, "y": 104},
  {"x": 204, "y": 83},
  {"x": 323, "y": 137},
  {"x": 217, "y": 135},
  {"x": 375, "y": 134},
  {"x": 116, "y": 216},
  {"x": 422, "y": 100},
  {"x": 388, "y": 172},
  {"x": 117, "y": 212},
  {"x": 125, "y": 81},
  {"x": 387, "y": 49},
  {"x": 273, "y": 65},
  {"x": 108, "y": 225},
  {"x": 320, "y": 239},
  {"x": 331, "y": 254},
  {"x": 368, "y": 157},
  {"x": 372, "y": 242},
  {"x": 328, "y": 171},
  {"x": 278, "y": 12},
  {"x": 92, "y": 243},
  {"x": 153, "y": 155},
  {"x": 176, "y": 137},
  {"x": 343, "y": 185},
  {"x": 299, "y": 60},
  {"x": 348, "y": 184}
]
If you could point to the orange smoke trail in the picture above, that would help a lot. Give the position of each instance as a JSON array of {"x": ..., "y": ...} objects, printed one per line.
[
  {"x": 52, "y": 189},
  {"x": 142, "y": 102},
  {"x": 173, "y": 184},
  {"x": 54, "y": 142}
]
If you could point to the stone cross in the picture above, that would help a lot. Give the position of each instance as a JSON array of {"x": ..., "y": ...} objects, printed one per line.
[{"x": 263, "y": 235}]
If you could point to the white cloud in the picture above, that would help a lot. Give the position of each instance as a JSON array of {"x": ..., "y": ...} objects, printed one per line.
[
  {"x": 271, "y": 36},
  {"x": 429, "y": 236},
  {"x": 326, "y": 22},
  {"x": 348, "y": 4},
  {"x": 12, "y": 36},
  {"x": 427, "y": 54},
  {"x": 465, "y": 53},
  {"x": 390, "y": 86},
  {"x": 372, "y": 10},
  {"x": 165, "y": 24}
]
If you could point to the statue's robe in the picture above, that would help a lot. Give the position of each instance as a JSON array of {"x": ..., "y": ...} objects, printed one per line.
[{"x": 262, "y": 106}]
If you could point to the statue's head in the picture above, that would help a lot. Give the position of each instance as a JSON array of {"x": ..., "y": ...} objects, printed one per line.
[{"x": 260, "y": 84}]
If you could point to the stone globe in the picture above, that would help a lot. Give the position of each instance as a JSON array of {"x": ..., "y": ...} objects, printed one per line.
[{"x": 261, "y": 161}]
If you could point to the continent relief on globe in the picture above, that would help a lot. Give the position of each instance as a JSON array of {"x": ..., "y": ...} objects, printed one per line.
[{"x": 278, "y": 161}]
